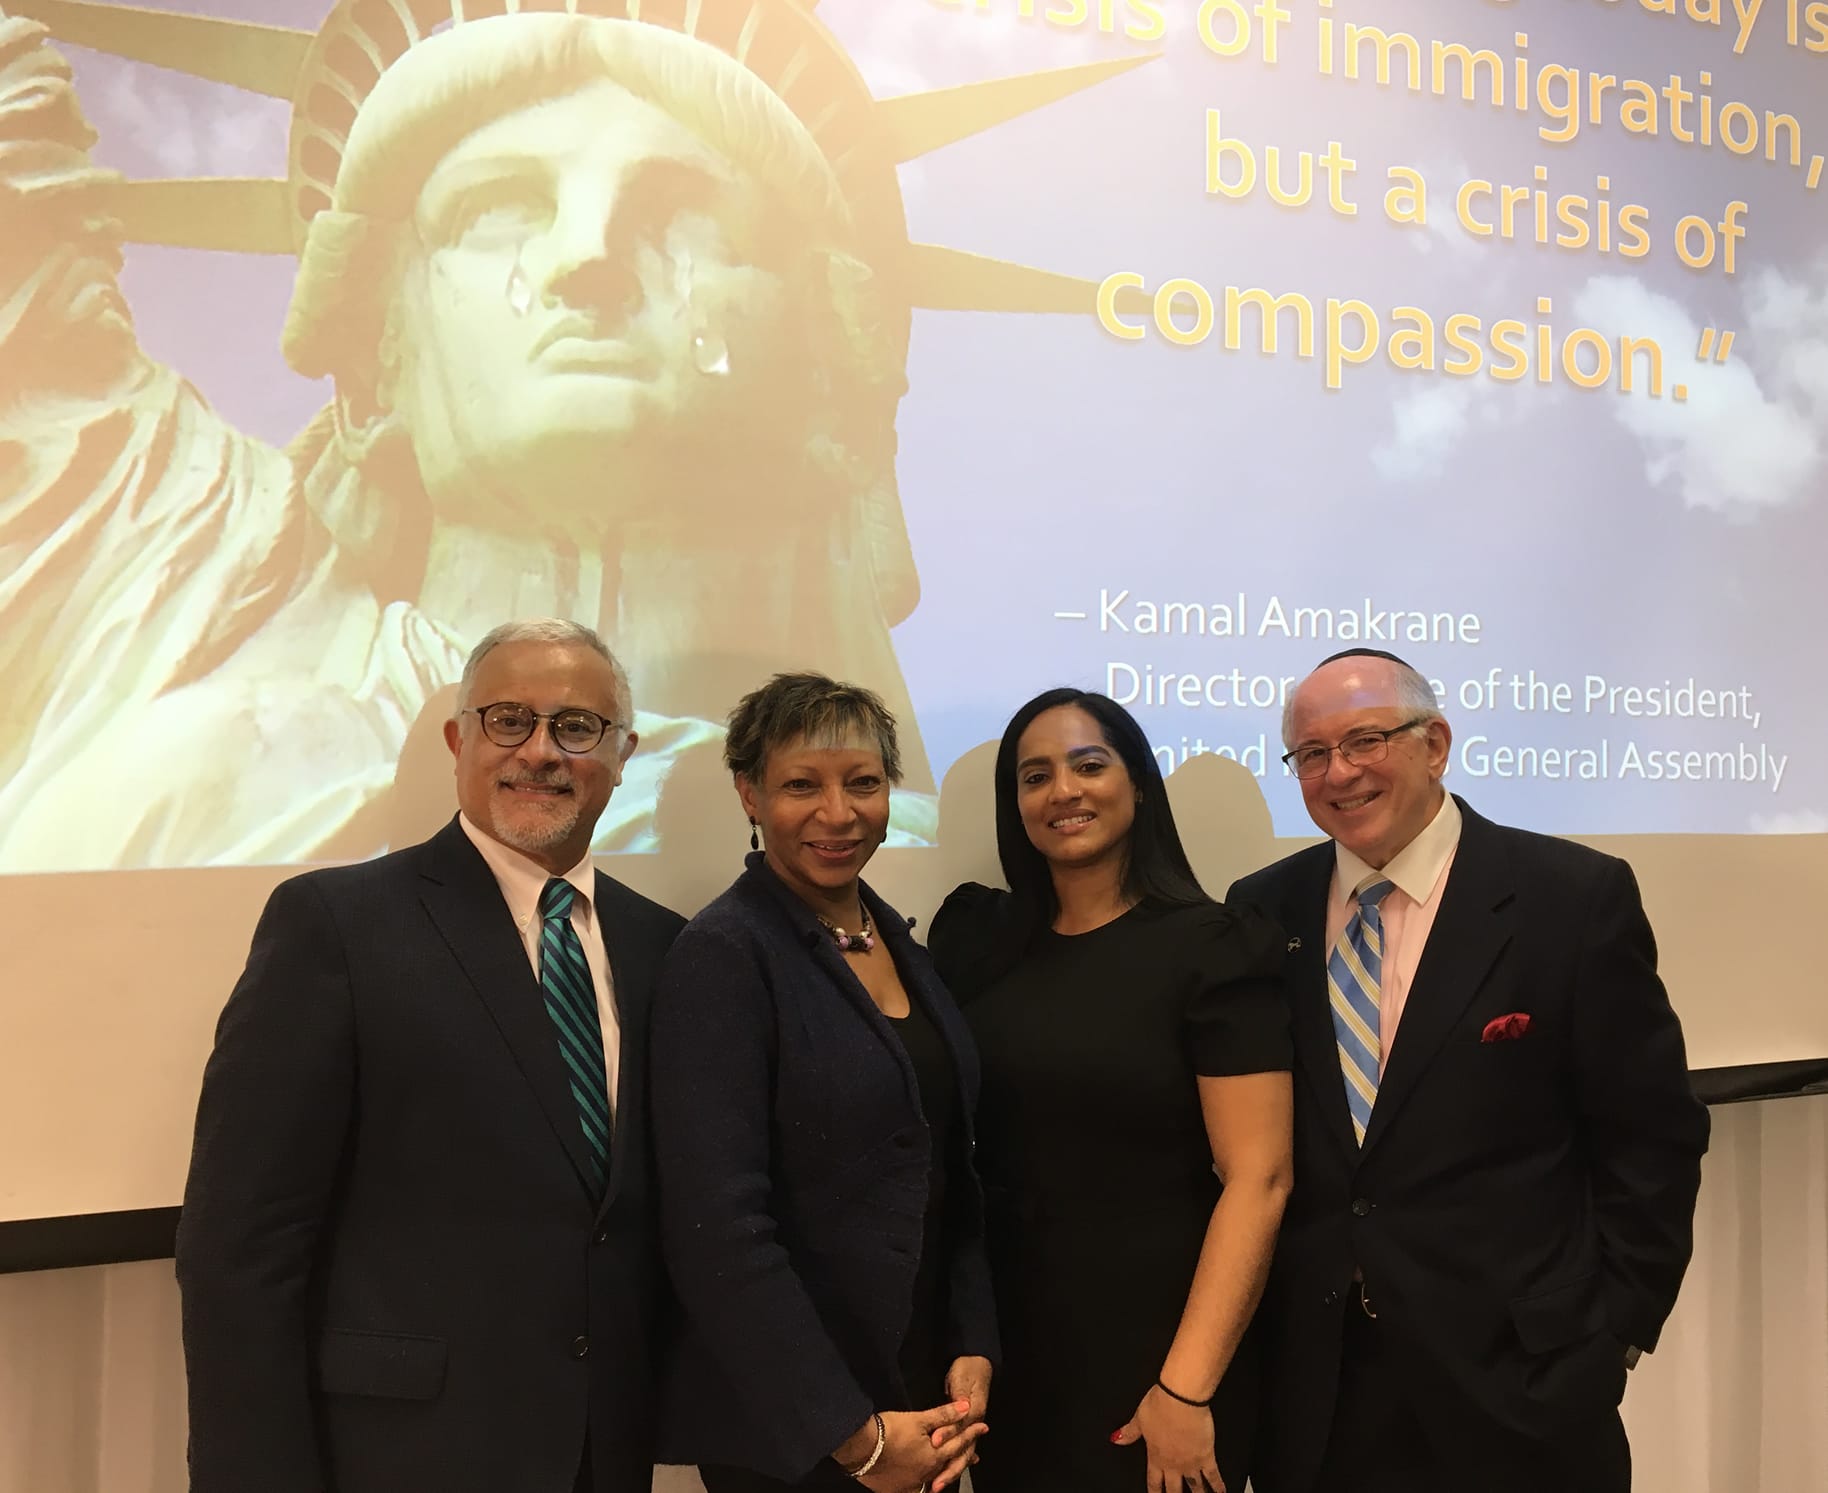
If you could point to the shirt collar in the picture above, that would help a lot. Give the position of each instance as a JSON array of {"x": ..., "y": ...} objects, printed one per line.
[
  {"x": 521, "y": 878},
  {"x": 1417, "y": 867}
]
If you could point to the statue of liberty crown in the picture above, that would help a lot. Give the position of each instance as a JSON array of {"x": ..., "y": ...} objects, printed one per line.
[
  {"x": 326, "y": 76},
  {"x": 778, "y": 41}
]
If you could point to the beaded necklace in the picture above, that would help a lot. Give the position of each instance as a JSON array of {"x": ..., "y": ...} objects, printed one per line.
[{"x": 860, "y": 942}]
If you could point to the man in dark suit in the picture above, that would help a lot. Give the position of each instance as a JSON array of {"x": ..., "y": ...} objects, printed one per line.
[
  {"x": 1497, "y": 1148},
  {"x": 416, "y": 1250}
]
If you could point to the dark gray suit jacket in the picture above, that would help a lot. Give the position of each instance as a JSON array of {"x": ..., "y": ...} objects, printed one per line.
[
  {"x": 394, "y": 1275},
  {"x": 1520, "y": 1209}
]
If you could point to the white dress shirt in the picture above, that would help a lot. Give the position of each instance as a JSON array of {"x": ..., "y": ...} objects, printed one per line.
[{"x": 522, "y": 881}]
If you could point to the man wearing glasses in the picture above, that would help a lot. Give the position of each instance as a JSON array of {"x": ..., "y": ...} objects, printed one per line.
[
  {"x": 415, "y": 1249},
  {"x": 1497, "y": 1146}
]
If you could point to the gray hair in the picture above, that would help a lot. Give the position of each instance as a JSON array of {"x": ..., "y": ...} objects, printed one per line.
[
  {"x": 808, "y": 706},
  {"x": 1414, "y": 694},
  {"x": 546, "y": 630}
]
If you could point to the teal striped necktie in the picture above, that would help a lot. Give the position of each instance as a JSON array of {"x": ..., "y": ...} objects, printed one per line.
[
  {"x": 1355, "y": 988},
  {"x": 571, "y": 1002}
]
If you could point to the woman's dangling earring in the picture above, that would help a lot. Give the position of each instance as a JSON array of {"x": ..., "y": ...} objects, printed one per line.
[{"x": 755, "y": 837}]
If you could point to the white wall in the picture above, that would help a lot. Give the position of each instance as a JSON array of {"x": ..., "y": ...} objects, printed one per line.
[{"x": 1735, "y": 1400}]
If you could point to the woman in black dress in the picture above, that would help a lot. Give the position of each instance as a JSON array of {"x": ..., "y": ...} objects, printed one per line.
[
  {"x": 1135, "y": 1051},
  {"x": 812, "y": 1092}
]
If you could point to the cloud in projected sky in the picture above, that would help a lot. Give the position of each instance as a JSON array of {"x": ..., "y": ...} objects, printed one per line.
[
  {"x": 152, "y": 116},
  {"x": 1428, "y": 424},
  {"x": 899, "y": 49},
  {"x": 1747, "y": 439}
]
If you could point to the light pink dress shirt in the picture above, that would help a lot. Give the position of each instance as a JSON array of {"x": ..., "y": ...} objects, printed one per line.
[{"x": 1419, "y": 870}]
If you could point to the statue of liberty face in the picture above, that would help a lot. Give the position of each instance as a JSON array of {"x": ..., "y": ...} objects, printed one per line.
[{"x": 586, "y": 283}]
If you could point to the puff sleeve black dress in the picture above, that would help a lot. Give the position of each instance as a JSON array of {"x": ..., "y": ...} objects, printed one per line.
[{"x": 1096, "y": 1166}]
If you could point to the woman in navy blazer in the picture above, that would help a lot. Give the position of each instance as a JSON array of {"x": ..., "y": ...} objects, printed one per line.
[{"x": 813, "y": 1086}]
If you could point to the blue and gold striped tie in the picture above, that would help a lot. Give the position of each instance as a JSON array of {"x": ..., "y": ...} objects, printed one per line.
[
  {"x": 1355, "y": 976},
  {"x": 571, "y": 1002}
]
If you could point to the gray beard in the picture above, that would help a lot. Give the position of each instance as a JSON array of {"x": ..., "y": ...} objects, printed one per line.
[{"x": 532, "y": 839}]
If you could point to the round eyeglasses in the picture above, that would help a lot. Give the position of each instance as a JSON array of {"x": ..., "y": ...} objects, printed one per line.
[
  {"x": 508, "y": 723},
  {"x": 1360, "y": 749}
]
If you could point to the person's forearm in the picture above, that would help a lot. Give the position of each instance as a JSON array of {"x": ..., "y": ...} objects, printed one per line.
[
  {"x": 857, "y": 1448},
  {"x": 1227, "y": 1284}
]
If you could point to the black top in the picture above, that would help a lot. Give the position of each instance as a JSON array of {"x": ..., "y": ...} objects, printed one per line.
[
  {"x": 794, "y": 1155},
  {"x": 923, "y": 1356},
  {"x": 1097, "y": 1169}
]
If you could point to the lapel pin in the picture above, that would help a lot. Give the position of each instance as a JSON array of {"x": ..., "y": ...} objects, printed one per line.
[{"x": 1293, "y": 944}]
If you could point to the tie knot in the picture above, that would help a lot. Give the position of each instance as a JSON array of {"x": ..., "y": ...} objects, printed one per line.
[
  {"x": 556, "y": 899},
  {"x": 1374, "y": 892}
]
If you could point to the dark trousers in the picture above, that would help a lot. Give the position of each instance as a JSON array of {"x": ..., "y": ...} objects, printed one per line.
[
  {"x": 1379, "y": 1444},
  {"x": 1376, "y": 1444}
]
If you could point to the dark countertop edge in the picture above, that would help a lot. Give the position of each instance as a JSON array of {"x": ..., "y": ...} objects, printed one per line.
[
  {"x": 87, "y": 1239},
  {"x": 84, "y": 1239}
]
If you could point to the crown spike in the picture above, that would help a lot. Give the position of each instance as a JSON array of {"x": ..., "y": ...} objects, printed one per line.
[
  {"x": 245, "y": 54},
  {"x": 916, "y": 124},
  {"x": 792, "y": 72},
  {"x": 410, "y": 24},
  {"x": 745, "y": 38},
  {"x": 940, "y": 279},
  {"x": 245, "y": 215}
]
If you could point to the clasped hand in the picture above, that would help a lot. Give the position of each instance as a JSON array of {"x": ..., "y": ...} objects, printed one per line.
[{"x": 927, "y": 1448}]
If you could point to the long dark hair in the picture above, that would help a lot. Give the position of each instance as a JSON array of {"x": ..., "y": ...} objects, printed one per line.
[{"x": 1155, "y": 864}]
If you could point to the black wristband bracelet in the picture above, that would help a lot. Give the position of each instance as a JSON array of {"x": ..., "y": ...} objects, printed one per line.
[{"x": 1205, "y": 1404}]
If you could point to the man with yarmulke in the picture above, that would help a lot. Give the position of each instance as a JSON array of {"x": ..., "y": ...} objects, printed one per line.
[{"x": 1497, "y": 1148}]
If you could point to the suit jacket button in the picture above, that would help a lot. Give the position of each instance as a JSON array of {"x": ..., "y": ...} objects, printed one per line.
[
  {"x": 580, "y": 1347},
  {"x": 601, "y": 1237},
  {"x": 1360, "y": 1207},
  {"x": 1330, "y": 1299}
]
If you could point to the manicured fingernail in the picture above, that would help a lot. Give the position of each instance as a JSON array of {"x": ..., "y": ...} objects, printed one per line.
[{"x": 1117, "y": 1438}]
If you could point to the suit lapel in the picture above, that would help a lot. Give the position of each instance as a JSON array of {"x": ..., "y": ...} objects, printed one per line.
[
  {"x": 465, "y": 904},
  {"x": 764, "y": 885},
  {"x": 633, "y": 970},
  {"x": 1473, "y": 925},
  {"x": 1316, "y": 1047}
]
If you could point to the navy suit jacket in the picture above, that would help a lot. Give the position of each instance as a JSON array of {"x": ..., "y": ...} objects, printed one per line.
[
  {"x": 394, "y": 1273},
  {"x": 1520, "y": 1209},
  {"x": 793, "y": 1160}
]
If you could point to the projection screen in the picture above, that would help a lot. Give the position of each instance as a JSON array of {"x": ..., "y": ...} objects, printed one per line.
[{"x": 958, "y": 347}]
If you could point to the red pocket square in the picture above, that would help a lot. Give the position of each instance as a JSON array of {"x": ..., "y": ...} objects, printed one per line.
[{"x": 1506, "y": 1028}]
